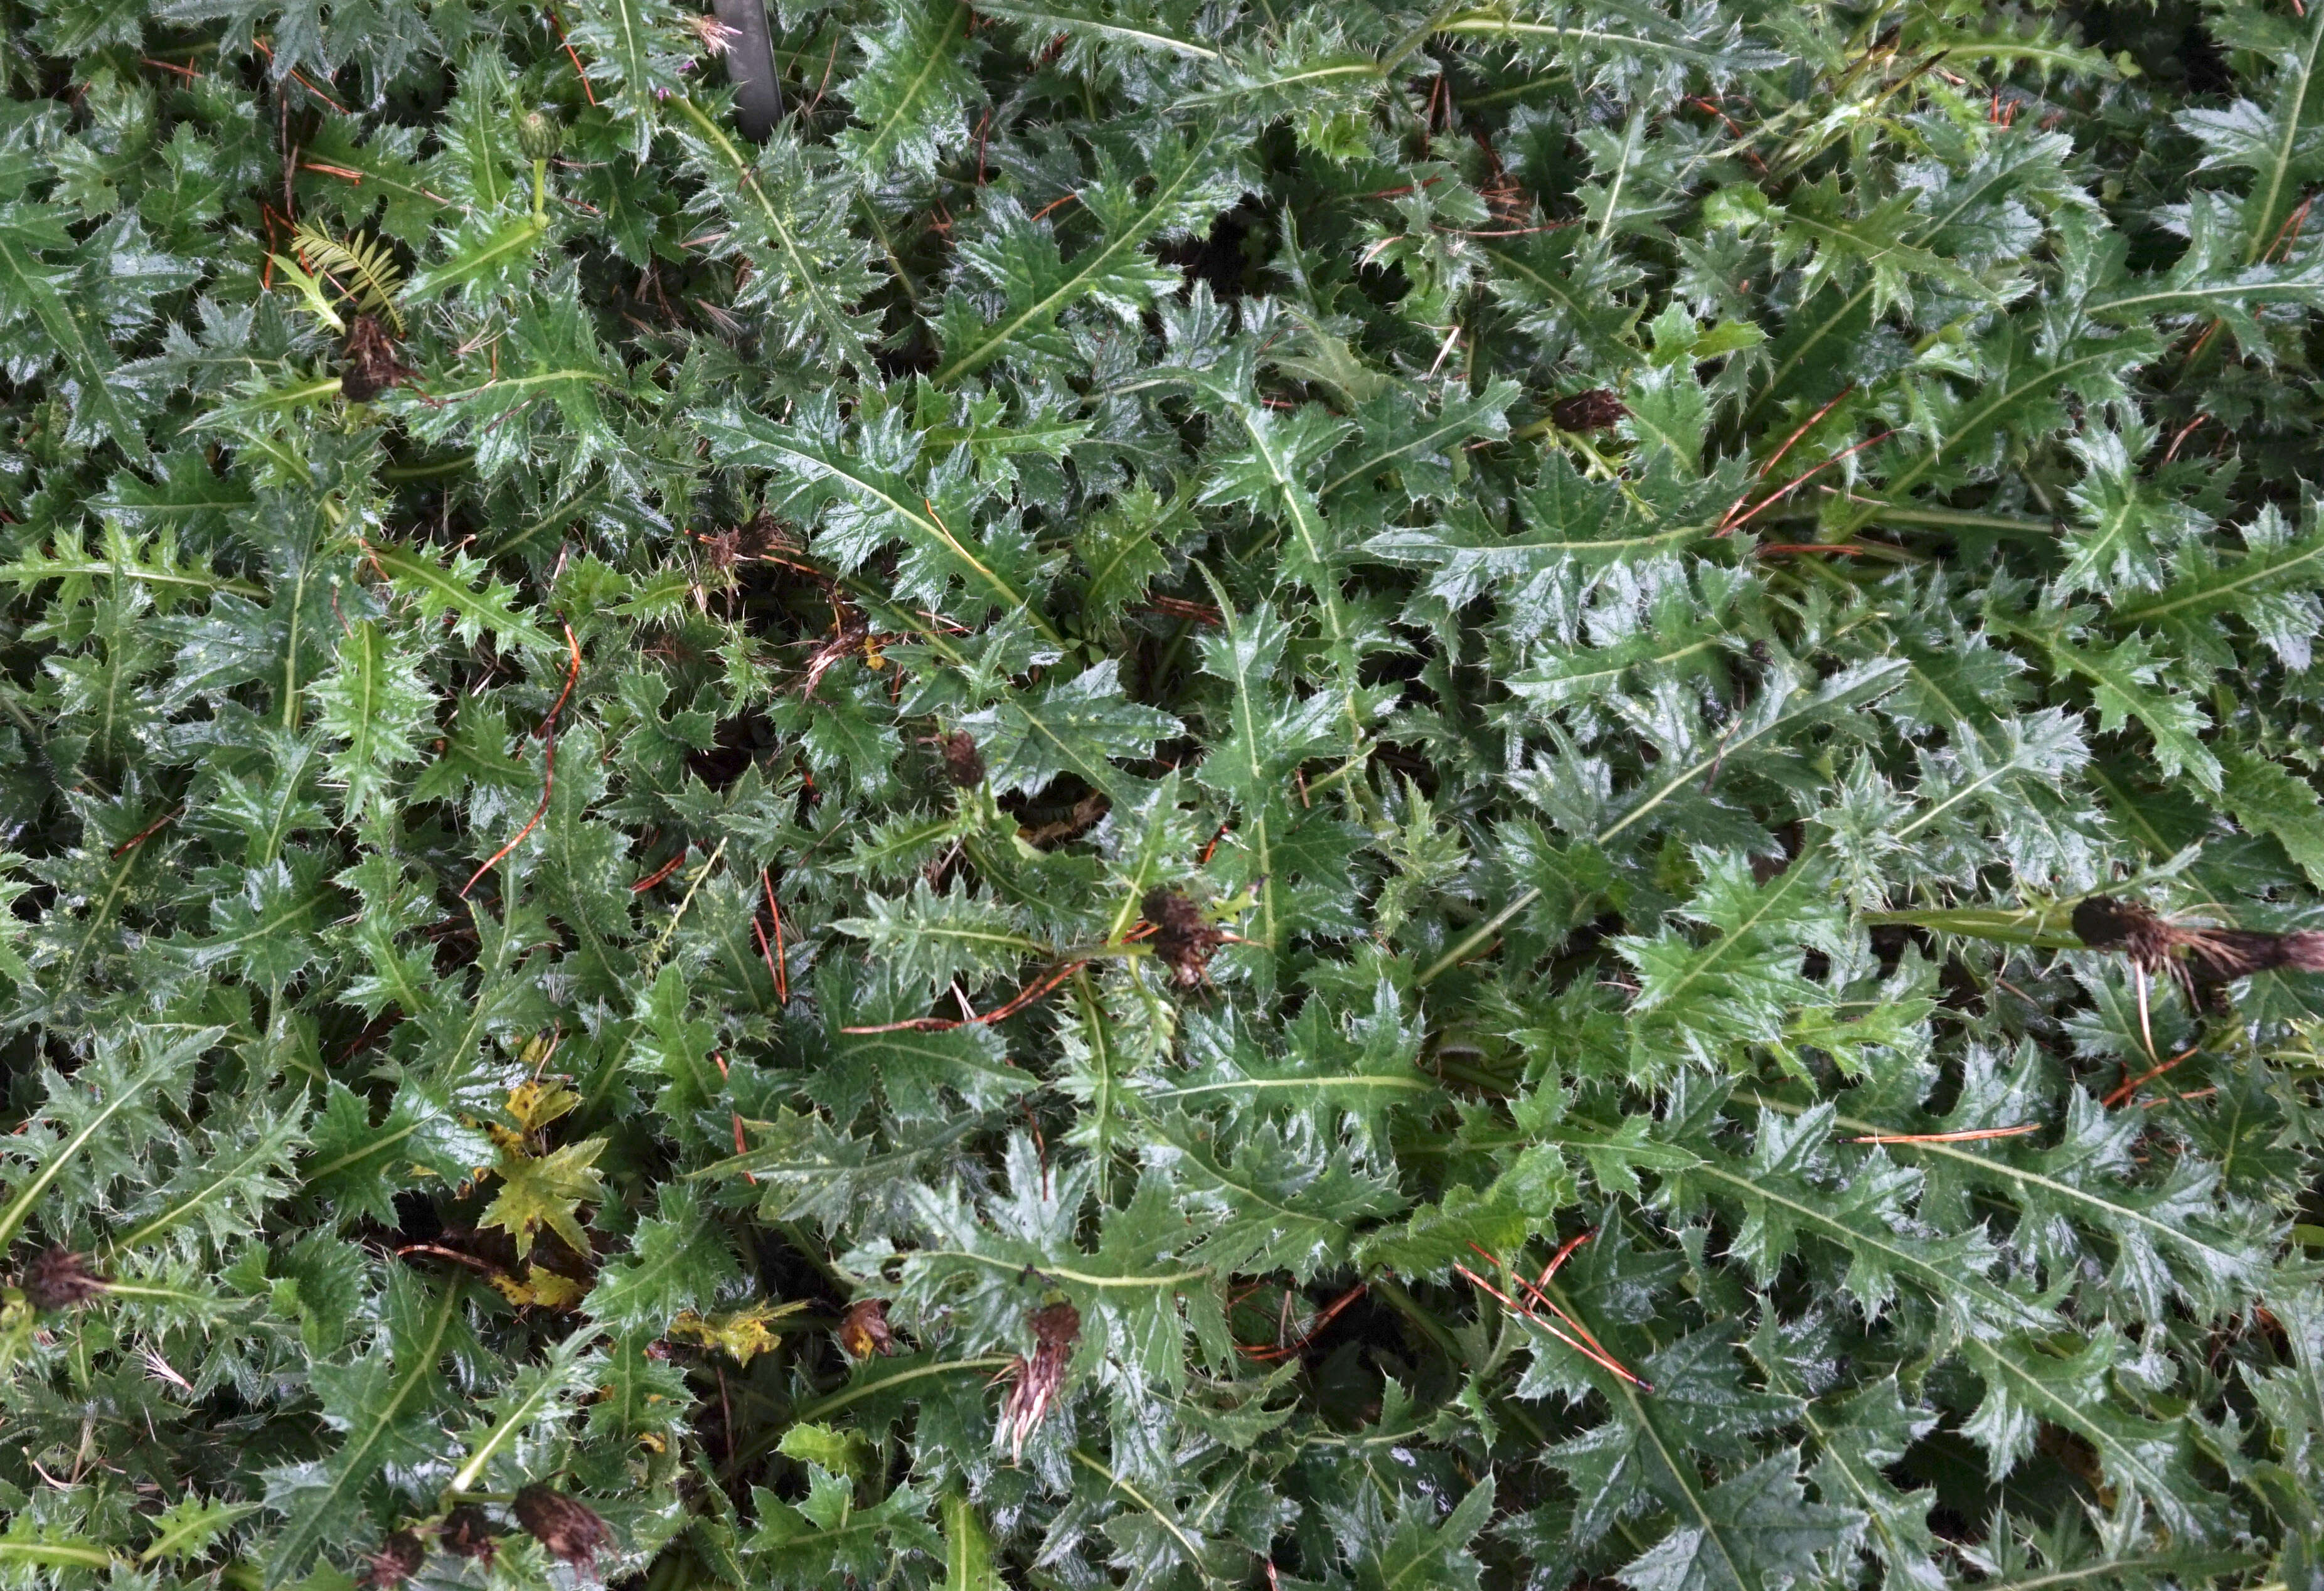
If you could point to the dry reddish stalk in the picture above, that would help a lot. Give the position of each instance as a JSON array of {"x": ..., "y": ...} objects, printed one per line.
[
  {"x": 569, "y": 1529},
  {"x": 1036, "y": 1378},
  {"x": 1284, "y": 1350},
  {"x": 1182, "y": 938},
  {"x": 1969, "y": 1136},
  {"x": 59, "y": 1279},
  {"x": 1171, "y": 607},
  {"x": 660, "y": 873},
  {"x": 851, "y": 632},
  {"x": 2132, "y": 1085},
  {"x": 864, "y": 1330},
  {"x": 548, "y": 733},
  {"x": 149, "y": 831},
  {"x": 777, "y": 963},
  {"x": 1587, "y": 1345},
  {"x": 1017, "y": 1002}
]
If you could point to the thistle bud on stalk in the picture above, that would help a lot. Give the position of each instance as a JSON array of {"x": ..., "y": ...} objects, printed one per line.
[{"x": 539, "y": 135}]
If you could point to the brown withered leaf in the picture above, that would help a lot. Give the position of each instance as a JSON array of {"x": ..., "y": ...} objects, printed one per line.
[{"x": 864, "y": 1330}]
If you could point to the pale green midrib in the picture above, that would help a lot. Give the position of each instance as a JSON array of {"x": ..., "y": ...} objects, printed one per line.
[
  {"x": 935, "y": 59},
  {"x": 998, "y": 335},
  {"x": 2261, "y": 240}
]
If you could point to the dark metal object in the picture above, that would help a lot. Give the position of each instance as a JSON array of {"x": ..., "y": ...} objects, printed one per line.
[{"x": 751, "y": 67}]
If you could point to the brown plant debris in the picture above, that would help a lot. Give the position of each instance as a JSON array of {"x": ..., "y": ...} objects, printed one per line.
[
  {"x": 1594, "y": 411},
  {"x": 2203, "y": 954},
  {"x": 399, "y": 1559},
  {"x": 467, "y": 1533},
  {"x": 59, "y": 1279},
  {"x": 864, "y": 1330},
  {"x": 367, "y": 362},
  {"x": 963, "y": 764},
  {"x": 1183, "y": 937},
  {"x": 569, "y": 1529}
]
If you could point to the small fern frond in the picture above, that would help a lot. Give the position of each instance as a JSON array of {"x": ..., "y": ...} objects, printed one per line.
[{"x": 359, "y": 266}]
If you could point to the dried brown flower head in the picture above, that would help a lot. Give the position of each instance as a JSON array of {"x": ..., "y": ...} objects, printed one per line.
[
  {"x": 59, "y": 1279},
  {"x": 1594, "y": 411},
  {"x": 367, "y": 362},
  {"x": 1183, "y": 937},
  {"x": 569, "y": 1529},
  {"x": 864, "y": 1330},
  {"x": 399, "y": 1559},
  {"x": 1037, "y": 1377},
  {"x": 2210, "y": 955},
  {"x": 467, "y": 1533},
  {"x": 964, "y": 763}
]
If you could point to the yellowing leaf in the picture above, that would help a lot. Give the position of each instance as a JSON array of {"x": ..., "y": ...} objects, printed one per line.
[
  {"x": 546, "y": 1288},
  {"x": 741, "y": 1335},
  {"x": 547, "y": 1190}
]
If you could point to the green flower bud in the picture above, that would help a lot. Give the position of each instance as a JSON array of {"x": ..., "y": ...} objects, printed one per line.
[{"x": 539, "y": 135}]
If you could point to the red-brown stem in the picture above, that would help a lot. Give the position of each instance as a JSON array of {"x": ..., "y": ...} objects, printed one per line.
[
  {"x": 1804, "y": 428},
  {"x": 1400, "y": 192},
  {"x": 2176, "y": 1099},
  {"x": 1546, "y": 1301},
  {"x": 658, "y": 874},
  {"x": 548, "y": 733},
  {"x": 1331, "y": 1313},
  {"x": 572, "y": 677},
  {"x": 302, "y": 78},
  {"x": 768, "y": 955},
  {"x": 1024, "y": 997},
  {"x": 2144, "y": 1078},
  {"x": 1800, "y": 479},
  {"x": 2185, "y": 431},
  {"x": 548, "y": 785},
  {"x": 1592, "y": 1355},
  {"x": 1033, "y": 993},
  {"x": 1510, "y": 231},
  {"x": 912, "y": 1025},
  {"x": 1563, "y": 1254},
  {"x": 441, "y": 1252},
  {"x": 2288, "y": 233},
  {"x": 579, "y": 70},
  {"x": 149, "y": 831},
  {"x": 780, "y": 964}
]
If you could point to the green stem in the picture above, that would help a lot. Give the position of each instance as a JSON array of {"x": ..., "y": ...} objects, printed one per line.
[{"x": 1430, "y": 1327}]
